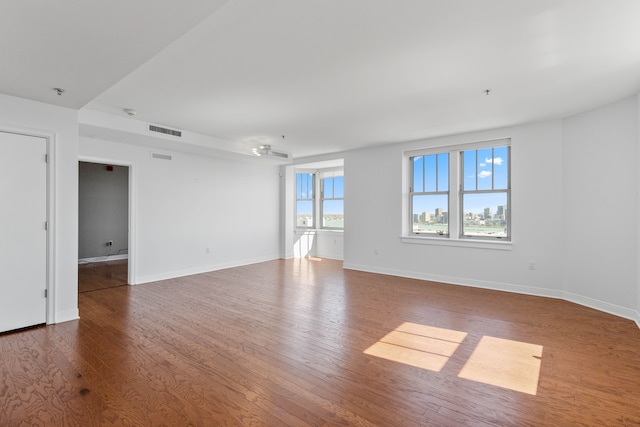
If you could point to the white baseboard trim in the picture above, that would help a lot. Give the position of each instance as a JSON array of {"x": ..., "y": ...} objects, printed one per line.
[
  {"x": 102, "y": 258},
  {"x": 603, "y": 306},
  {"x": 606, "y": 307},
  {"x": 325, "y": 257},
  {"x": 203, "y": 269},
  {"x": 496, "y": 286},
  {"x": 66, "y": 315}
]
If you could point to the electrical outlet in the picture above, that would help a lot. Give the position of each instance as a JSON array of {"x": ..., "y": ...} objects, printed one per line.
[
  {"x": 532, "y": 265},
  {"x": 110, "y": 243}
]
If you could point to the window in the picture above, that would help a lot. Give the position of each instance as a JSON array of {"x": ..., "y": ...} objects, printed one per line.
[
  {"x": 430, "y": 194},
  {"x": 305, "y": 201},
  {"x": 485, "y": 192},
  {"x": 332, "y": 205},
  {"x": 461, "y": 192},
  {"x": 320, "y": 194}
]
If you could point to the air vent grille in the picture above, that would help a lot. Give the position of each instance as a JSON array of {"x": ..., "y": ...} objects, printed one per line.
[
  {"x": 166, "y": 131},
  {"x": 277, "y": 154},
  {"x": 160, "y": 156}
]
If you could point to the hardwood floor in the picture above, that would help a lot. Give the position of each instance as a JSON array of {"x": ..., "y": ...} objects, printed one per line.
[
  {"x": 95, "y": 276},
  {"x": 306, "y": 343}
]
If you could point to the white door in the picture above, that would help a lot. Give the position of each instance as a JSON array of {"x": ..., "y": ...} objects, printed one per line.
[{"x": 23, "y": 238}]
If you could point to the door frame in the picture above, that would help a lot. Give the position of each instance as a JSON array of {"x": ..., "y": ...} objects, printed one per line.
[{"x": 131, "y": 264}]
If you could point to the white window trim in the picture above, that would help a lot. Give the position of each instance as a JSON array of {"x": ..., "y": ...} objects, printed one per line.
[
  {"x": 295, "y": 198},
  {"x": 453, "y": 239},
  {"x": 322, "y": 175},
  {"x": 462, "y": 243},
  {"x": 318, "y": 175}
]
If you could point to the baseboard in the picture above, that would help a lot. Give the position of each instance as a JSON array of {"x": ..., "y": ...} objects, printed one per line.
[
  {"x": 606, "y": 307},
  {"x": 202, "y": 269},
  {"x": 102, "y": 258},
  {"x": 326, "y": 257},
  {"x": 66, "y": 315},
  {"x": 506, "y": 287},
  {"x": 484, "y": 284}
]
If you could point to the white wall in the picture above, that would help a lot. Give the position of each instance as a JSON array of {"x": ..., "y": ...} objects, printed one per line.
[
  {"x": 61, "y": 126},
  {"x": 194, "y": 213},
  {"x": 601, "y": 212},
  {"x": 318, "y": 243},
  {"x": 575, "y": 204},
  {"x": 373, "y": 181}
]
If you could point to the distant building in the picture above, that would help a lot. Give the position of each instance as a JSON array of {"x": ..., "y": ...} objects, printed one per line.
[{"x": 487, "y": 213}]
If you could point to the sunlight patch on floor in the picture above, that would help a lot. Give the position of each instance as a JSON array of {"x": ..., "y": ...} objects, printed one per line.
[
  {"x": 425, "y": 347},
  {"x": 498, "y": 362},
  {"x": 505, "y": 363}
]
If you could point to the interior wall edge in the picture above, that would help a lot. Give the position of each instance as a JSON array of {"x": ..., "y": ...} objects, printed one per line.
[{"x": 66, "y": 315}]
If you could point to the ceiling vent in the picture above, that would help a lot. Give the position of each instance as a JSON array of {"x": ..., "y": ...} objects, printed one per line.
[
  {"x": 166, "y": 131},
  {"x": 160, "y": 156},
  {"x": 266, "y": 150}
]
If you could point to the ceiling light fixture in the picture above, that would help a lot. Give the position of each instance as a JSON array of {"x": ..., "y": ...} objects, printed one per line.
[
  {"x": 487, "y": 92},
  {"x": 130, "y": 112},
  {"x": 58, "y": 90}
]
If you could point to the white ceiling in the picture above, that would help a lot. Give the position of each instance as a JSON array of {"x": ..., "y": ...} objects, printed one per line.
[{"x": 330, "y": 75}]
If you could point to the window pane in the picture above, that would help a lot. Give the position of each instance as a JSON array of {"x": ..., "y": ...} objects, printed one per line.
[
  {"x": 430, "y": 214},
  {"x": 338, "y": 187},
  {"x": 501, "y": 168},
  {"x": 298, "y": 185},
  {"x": 430, "y": 173},
  {"x": 304, "y": 213},
  {"x": 309, "y": 186},
  {"x": 469, "y": 172},
  {"x": 485, "y": 169},
  {"x": 443, "y": 172},
  {"x": 333, "y": 213},
  {"x": 485, "y": 214},
  {"x": 328, "y": 188},
  {"x": 418, "y": 176}
]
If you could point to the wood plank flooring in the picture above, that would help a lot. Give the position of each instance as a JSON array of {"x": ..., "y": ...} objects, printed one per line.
[
  {"x": 290, "y": 343},
  {"x": 95, "y": 276}
]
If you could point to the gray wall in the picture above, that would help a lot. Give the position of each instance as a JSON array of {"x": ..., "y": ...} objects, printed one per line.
[{"x": 103, "y": 210}]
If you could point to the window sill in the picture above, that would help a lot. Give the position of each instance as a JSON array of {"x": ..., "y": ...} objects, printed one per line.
[
  {"x": 302, "y": 231},
  {"x": 463, "y": 243}
]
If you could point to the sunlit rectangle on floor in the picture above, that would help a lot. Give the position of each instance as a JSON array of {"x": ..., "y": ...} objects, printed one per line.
[
  {"x": 505, "y": 363},
  {"x": 422, "y": 346}
]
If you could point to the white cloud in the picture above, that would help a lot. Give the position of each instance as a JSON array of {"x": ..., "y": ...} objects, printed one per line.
[
  {"x": 498, "y": 161},
  {"x": 484, "y": 174},
  {"x": 483, "y": 164}
]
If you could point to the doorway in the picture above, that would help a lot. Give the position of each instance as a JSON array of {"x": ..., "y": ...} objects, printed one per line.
[{"x": 103, "y": 226}]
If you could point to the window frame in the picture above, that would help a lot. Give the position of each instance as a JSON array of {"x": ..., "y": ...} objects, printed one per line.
[
  {"x": 413, "y": 193},
  {"x": 322, "y": 176},
  {"x": 318, "y": 197},
  {"x": 464, "y": 192},
  {"x": 306, "y": 199},
  {"x": 455, "y": 214}
]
